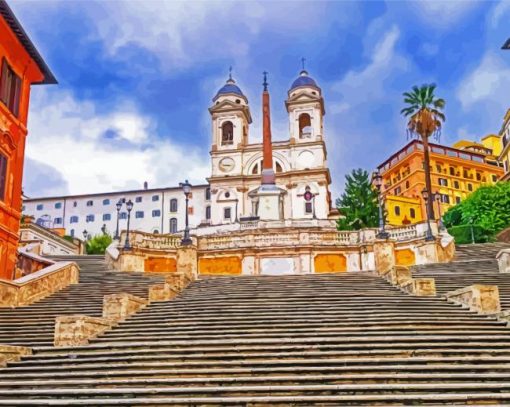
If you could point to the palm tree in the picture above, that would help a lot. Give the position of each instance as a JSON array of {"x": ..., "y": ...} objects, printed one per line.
[{"x": 426, "y": 119}]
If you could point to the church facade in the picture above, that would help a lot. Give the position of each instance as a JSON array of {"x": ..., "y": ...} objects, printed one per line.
[{"x": 230, "y": 195}]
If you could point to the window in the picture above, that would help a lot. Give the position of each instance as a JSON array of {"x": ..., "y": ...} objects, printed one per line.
[
  {"x": 10, "y": 88},
  {"x": 305, "y": 125},
  {"x": 138, "y": 199},
  {"x": 227, "y": 213},
  {"x": 439, "y": 168},
  {"x": 470, "y": 187},
  {"x": 456, "y": 184},
  {"x": 73, "y": 219},
  {"x": 308, "y": 207},
  {"x": 208, "y": 212},
  {"x": 278, "y": 167},
  {"x": 106, "y": 202},
  {"x": 407, "y": 184},
  {"x": 90, "y": 203},
  {"x": 478, "y": 176},
  {"x": 156, "y": 213},
  {"x": 445, "y": 198},
  {"x": 123, "y": 215},
  {"x": 57, "y": 221},
  {"x": 3, "y": 175},
  {"x": 90, "y": 218},
  {"x": 75, "y": 204},
  {"x": 139, "y": 214},
  {"x": 107, "y": 216},
  {"x": 39, "y": 207},
  {"x": 72, "y": 232},
  {"x": 156, "y": 232},
  {"x": 173, "y": 225},
  {"x": 452, "y": 170},
  {"x": 443, "y": 182},
  {"x": 208, "y": 194},
  {"x": 397, "y": 210},
  {"x": 58, "y": 205},
  {"x": 155, "y": 198},
  {"x": 457, "y": 199},
  {"x": 412, "y": 213},
  {"x": 494, "y": 178},
  {"x": 227, "y": 133},
  {"x": 398, "y": 191},
  {"x": 173, "y": 205}
]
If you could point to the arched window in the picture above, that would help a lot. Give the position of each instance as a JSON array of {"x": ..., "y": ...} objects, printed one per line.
[
  {"x": 208, "y": 212},
  {"x": 173, "y": 225},
  {"x": 278, "y": 167},
  {"x": 173, "y": 205},
  {"x": 227, "y": 133},
  {"x": 208, "y": 194},
  {"x": 397, "y": 210},
  {"x": 255, "y": 169},
  {"x": 305, "y": 125}
]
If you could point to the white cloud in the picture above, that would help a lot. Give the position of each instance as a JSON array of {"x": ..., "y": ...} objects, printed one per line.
[
  {"x": 501, "y": 10},
  {"x": 487, "y": 83},
  {"x": 443, "y": 13},
  {"x": 97, "y": 152}
]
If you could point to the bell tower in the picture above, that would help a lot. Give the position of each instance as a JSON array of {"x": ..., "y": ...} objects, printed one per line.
[
  {"x": 231, "y": 117},
  {"x": 305, "y": 107}
]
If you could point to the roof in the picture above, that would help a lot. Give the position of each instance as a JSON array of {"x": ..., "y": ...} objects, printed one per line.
[
  {"x": 229, "y": 87},
  {"x": 97, "y": 194},
  {"x": 506, "y": 45},
  {"x": 17, "y": 29},
  {"x": 303, "y": 80}
]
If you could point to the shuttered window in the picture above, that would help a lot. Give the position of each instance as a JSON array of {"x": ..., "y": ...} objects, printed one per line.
[
  {"x": 3, "y": 175},
  {"x": 10, "y": 88}
]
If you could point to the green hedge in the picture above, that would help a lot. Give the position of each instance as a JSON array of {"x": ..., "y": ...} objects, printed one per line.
[{"x": 462, "y": 234}]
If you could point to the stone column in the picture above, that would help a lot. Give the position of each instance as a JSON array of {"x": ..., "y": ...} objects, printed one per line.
[
  {"x": 187, "y": 261},
  {"x": 384, "y": 256}
]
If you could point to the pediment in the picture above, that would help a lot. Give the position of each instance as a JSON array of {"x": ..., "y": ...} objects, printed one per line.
[{"x": 229, "y": 106}]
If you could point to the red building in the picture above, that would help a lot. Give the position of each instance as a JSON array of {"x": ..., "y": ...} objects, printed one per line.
[{"x": 20, "y": 67}]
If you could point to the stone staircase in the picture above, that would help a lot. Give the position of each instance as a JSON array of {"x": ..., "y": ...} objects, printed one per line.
[
  {"x": 474, "y": 264},
  {"x": 337, "y": 339},
  {"x": 34, "y": 325}
]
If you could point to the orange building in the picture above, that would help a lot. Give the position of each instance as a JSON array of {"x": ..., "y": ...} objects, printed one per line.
[
  {"x": 455, "y": 172},
  {"x": 20, "y": 67}
]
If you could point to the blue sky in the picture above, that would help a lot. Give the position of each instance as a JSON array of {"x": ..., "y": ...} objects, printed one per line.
[{"x": 136, "y": 79}]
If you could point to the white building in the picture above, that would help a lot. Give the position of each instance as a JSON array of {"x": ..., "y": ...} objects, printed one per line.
[{"x": 300, "y": 164}]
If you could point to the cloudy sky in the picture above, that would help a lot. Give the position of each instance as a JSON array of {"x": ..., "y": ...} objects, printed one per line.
[{"x": 136, "y": 79}]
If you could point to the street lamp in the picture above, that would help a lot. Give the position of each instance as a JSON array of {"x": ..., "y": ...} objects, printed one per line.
[
  {"x": 377, "y": 181},
  {"x": 103, "y": 229},
  {"x": 129, "y": 207},
  {"x": 426, "y": 197},
  {"x": 437, "y": 197},
  {"x": 186, "y": 188},
  {"x": 85, "y": 234},
  {"x": 119, "y": 207}
]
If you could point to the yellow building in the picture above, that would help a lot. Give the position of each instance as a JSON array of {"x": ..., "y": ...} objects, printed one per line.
[
  {"x": 455, "y": 172},
  {"x": 504, "y": 137}
]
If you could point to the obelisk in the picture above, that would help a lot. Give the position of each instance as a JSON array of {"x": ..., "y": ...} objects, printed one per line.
[{"x": 269, "y": 194}]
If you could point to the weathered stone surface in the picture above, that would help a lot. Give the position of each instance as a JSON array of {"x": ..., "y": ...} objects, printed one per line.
[
  {"x": 384, "y": 255},
  {"x": 178, "y": 281},
  {"x": 10, "y": 353},
  {"x": 130, "y": 261},
  {"x": 481, "y": 298},
  {"x": 117, "y": 307},
  {"x": 445, "y": 248},
  {"x": 162, "y": 292},
  {"x": 76, "y": 330},
  {"x": 398, "y": 275},
  {"x": 426, "y": 252},
  {"x": 187, "y": 261},
  {"x": 503, "y": 258},
  {"x": 38, "y": 285},
  {"x": 420, "y": 287}
]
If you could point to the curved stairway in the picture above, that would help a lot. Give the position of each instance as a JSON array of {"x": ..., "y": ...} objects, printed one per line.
[
  {"x": 34, "y": 325},
  {"x": 333, "y": 339}
]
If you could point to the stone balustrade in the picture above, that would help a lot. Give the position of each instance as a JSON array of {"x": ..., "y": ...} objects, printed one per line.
[
  {"x": 10, "y": 353},
  {"x": 483, "y": 299},
  {"x": 503, "y": 258},
  {"x": 33, "y": 287}
]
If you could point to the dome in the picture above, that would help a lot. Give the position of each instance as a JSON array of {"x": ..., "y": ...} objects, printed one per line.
[
  {"x": 229, "y": 87},
  {"x": 303, "y": 80}
]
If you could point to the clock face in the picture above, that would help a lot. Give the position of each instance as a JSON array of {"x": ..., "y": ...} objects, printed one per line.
[{"x": 227, "y": 164}]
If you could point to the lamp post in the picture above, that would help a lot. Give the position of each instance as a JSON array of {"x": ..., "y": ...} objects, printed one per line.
[
  {"x": 437, "y": 197},
  {"x": 85, "y": 235},
  {"x": 471, "y": 220},
  {"x": 103, "y": 229},
  {"x": 426, "y": 197},
  {"x": 119, "y": 207},
  {"x": 377, "y": 181},
  {"x": 129, "y": 207},
  {"x": 186, "y": 188}
]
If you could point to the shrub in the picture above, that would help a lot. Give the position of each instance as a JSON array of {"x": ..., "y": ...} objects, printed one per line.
[
  {"x": 98, "y": 244},
  {"x": 462, "y": 234}
]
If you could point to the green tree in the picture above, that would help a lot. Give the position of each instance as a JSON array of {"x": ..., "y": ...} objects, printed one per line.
[
  {"x": 98, "y": 244},
  {"x": 488, "y": 208},
  {"x": 358, "y": 204},
  {"x": 425, "y": 119}
]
